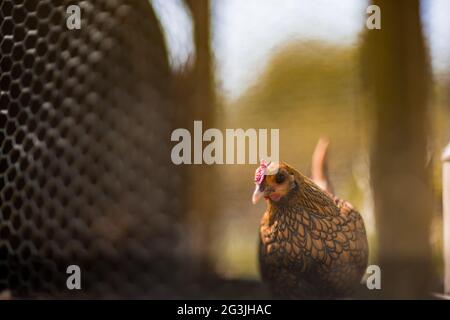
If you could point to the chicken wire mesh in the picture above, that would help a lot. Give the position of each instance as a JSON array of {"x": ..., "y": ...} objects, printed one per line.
[{"x": 85, "y": 173}]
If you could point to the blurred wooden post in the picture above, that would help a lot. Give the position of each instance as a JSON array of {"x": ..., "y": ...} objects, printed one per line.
[
  {"x": 398, "y": 76},
  {"x": 446, "y": 215},
  {"x": 201, "y": 106}
]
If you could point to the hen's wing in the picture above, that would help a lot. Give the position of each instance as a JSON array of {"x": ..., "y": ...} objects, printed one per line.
[{"x": 328, "y": 242}]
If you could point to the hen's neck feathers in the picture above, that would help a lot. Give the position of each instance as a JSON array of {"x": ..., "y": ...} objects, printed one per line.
[{"x": 305, "y": 196}]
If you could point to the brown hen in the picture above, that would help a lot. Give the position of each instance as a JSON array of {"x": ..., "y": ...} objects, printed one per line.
[{"x": 313, "y": 245}]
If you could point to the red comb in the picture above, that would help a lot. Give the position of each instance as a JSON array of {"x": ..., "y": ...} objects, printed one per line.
[{"x": 260, "y": 172}]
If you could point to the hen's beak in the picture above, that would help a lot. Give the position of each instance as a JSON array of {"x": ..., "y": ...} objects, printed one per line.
[{"x": 257, "y": 194}]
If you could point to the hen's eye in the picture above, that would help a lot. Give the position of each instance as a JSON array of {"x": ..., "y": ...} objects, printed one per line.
[{"x": 279, "y": 178}]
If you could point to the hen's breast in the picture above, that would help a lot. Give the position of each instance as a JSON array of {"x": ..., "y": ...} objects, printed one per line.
[
  {"x": 307, "y": 254},
  {"x": 284, "y": 267}
]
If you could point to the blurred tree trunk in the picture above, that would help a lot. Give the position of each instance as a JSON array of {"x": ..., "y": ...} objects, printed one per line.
[{"x": 398, "y": 74}]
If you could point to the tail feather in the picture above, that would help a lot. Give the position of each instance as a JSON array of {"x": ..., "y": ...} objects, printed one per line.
[{"x": 319, "y": 167}]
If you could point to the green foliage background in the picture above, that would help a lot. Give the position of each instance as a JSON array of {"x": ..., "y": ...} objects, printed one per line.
[{"x": 310, "y": 89}]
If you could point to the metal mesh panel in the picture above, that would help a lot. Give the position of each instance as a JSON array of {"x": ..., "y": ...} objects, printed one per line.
[{"x": 85, "y": 173}]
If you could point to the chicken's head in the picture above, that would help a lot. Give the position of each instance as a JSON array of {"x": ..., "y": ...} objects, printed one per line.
[{"x": 273, "y": 181}]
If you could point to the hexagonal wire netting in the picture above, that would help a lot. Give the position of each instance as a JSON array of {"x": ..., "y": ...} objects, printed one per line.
[{"x": 85, "y": 174}]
